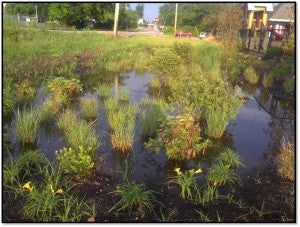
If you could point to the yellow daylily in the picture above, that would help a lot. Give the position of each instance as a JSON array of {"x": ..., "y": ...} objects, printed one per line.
[
  {"x": 177, "y": 170},
  {"x": 27, "y": 186},
  {"x": 198, "y": 170},
  {"x": 59, "y": 191}
]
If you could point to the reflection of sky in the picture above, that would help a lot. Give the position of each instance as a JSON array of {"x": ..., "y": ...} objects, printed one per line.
[
  {"x": 151, "y": 10},
  {"x": 250, "y": 139}
]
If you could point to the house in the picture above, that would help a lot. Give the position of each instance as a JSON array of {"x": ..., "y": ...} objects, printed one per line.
[
  {"x": 282, "y": 17},
  {"x": 256, "y": 15}
]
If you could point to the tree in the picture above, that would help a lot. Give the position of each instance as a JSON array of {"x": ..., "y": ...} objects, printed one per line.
[
  {"x": 128, "y": 18},
  {"x": 140, "y": 10}
]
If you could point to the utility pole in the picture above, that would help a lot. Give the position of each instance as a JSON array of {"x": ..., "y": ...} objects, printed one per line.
[
  {"x": 36, "y": 14},
  {"x": 175, "y": 26},
  {"x": 116, "y": 19}
]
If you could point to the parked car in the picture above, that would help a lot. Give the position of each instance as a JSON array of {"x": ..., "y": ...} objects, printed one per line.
[
  {"x": 183, "y": 34},
  {"x": 202, "y": 35}
]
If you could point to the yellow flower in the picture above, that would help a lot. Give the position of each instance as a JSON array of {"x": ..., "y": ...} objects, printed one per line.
[
  {"x": 59, "y": 191},
  {"x": 27, "y": 186},
  {"x": 51, "y": 188},
  {"x": 177, "y": 170},
  {"x": 198, "y": 170}
]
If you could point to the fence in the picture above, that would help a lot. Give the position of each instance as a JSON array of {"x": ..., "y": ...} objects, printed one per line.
[{"x": 19, "y": 18}]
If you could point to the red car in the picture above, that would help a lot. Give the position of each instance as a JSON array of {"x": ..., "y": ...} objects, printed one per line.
[{"x": 183, "y": 34}]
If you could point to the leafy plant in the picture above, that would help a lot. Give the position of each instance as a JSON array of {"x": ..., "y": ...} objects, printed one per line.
[
  {"x": 229, "y": 158},
  {"x": 70, "y": 87},
  {"x": 24, "y": 93},
  {"x": 134, "y": 198},
  {"x": 79, "y": 162},
  {"x": 180, "y": 137},
  {"x": 89, "y": 108},
  {"x": 26, "y": 125},
  {"x": 250, "y": 75}
]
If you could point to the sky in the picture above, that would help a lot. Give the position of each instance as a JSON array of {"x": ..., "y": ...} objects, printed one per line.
[{"x": 151, "y": 10}]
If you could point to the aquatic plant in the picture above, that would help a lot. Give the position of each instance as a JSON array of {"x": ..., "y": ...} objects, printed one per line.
[
  {"x": 285, "y": 160},
  {"x": 89, "y": 108},
  {"x": 250, "y": 75},
  {"x": 110, "y": 106},
  {"x": 122, "y": 124},
  {"x": 289, "y": 85},
  {"x": 79, "y": 162},
  {"x": 229, "y": 158},
  {"x": 124, "y": 95},
  {"x": 104, "y": 91},
  {"x": 216, "y": 121},
  {"x": 70, "y": 87},
  {"x": 8, "y": 97},
  {"x": 133, "y": 197},
  {"x": 82, "y": 134},
  {"x": 24, "y": 93},
  {"x": 26, "y": 125},
  {"x": 151, "y": 120},
  {"x": 67, "y": 120}
]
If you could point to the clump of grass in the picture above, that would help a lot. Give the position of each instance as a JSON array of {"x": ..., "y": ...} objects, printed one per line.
[
  {"x": 82, "y": 134},
  {"x": 250, "y": 75},
  {"x": 124, "y": 95},
  {"x": 8, "y": 96},
  {"x": 268, "y": 80},
  {"x": 89, "y": 108},
  {"x": 229, "y": 158},
  {"x": 122, "y": 124},
  {"x": 151, "y": 119},
  {"x": 104, "y": 91},
  {"x": 24, "y": 93},
  {"x": 134, "y": 198},
  {"x": 26, "y": 125},
  {"x": 67, "y": 120},
  {"x": 110, "y": 105},
  {"x": 50, "y": 108},
  {"x": 286, "y": 160},
  {"x": 216, "y": 122}
]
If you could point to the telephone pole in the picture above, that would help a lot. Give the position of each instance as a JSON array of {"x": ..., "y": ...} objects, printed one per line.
[
  {"x": 175, "y": 26},
  {"x": 116, "y": 19}
]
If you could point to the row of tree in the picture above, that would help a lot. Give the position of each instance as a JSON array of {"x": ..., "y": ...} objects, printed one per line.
[{"x": 80, "y": 15}]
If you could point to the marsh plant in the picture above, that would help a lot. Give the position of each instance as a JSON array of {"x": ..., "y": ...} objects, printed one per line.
[
  {"x": 122, "y": 124},
  {"x": 67, "y": 120},
  {"x": 124, "y": 95},
  {"x": 89, "y": 108},
  {"x": 8, "y": 97},
  {"x": 289, "y": 85},
  {"x": 180, "y": 136},
  {"x": 222, "y": 171},
  {"x": 26, "y": 125},
  {"x": 216, "y": 122},
  {"x": 286, "y": 160},
  {"x": 134, "y": 197},
  {"x": 151, "y": 120},
  {"x": 82, "y": 134},
  {"x": 70, "y": 87},
  {"x": 110, "y": 106},
  {"x": 250, "y": 75},
  {"x": 24, "y": 93},
  {"x": 104, "y": 91},
  {"x": 79, "y": 162},
  {"x": 268, "y": 80}
]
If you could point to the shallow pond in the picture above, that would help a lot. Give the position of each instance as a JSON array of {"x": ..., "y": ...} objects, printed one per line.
[{"x": 254, "y": 135}]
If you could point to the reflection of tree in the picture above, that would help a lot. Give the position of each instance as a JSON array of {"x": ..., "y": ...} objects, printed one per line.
[
  {"x": 123, "y": 162},
  {"x": 249, "y": 88}
]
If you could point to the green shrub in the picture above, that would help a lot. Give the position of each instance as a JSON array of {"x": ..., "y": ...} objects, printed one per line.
[
  {"x": 89, "y": 108},
  {"x": 26, "y": 126},
  {"x": 289, "y": 85},
  {"x": 250, "y": 75},
  {"x": 285, "y": 160},
  {"x": 24, "y": 93},
  {"x": 79, "y": 162},
  {"x": 208, "y": 56},
  {"x": 268, "y": 80},
  {"x": 180, "y": 137},
  {"x": 184, "y": 50},
  {"x": 134, "y": 198},
  {"x": 104, "y": 91}
]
